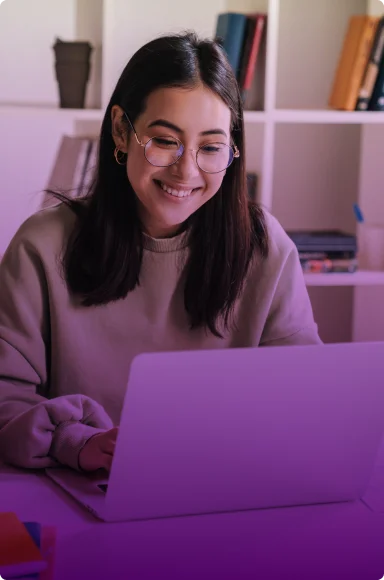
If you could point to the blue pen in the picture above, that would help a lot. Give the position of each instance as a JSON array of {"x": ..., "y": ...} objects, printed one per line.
[{"x": 358, "y": 213}]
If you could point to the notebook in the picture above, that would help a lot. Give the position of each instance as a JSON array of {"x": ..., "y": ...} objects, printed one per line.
[
  {"x": 45, "y": 539},
  {"x": 19, "y": 554}
]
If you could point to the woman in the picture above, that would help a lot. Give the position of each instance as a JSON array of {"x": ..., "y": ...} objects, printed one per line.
[{"x": 165, "y": 253}]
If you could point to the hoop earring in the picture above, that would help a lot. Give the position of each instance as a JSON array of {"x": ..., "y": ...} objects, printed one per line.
[{"x": 118, "y": 159}]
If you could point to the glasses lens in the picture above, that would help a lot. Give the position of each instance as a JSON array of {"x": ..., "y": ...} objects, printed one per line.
[
  {"x": 214, "y": 157},
  {"x": 163, "y": 151}
]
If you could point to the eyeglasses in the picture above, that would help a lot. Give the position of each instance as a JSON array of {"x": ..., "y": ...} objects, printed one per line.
[{"x": 167, "y": 150}]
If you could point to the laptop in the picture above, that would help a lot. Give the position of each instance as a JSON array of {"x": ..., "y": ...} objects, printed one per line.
[{"x": 240, "y": 429}]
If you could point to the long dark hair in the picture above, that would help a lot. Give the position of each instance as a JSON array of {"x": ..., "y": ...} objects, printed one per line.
[{"x": 103, "y": 256}]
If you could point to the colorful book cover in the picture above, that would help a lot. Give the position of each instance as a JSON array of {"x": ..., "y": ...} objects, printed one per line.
[
  {"x": 45, "y": 539},
  {"x": 19, "y": 554},
  {"x": 34, "y": 530}
]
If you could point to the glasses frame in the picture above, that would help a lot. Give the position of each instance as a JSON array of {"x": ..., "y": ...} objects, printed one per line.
[{"x": 235, "y": 151}]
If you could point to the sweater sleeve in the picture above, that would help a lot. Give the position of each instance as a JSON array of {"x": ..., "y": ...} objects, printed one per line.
[
  {"x": 290, "y": 320},
  {"x": 36, "y": 431}
]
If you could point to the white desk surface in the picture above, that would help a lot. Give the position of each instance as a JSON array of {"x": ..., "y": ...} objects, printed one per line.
[{"x": 336, "y": 542}]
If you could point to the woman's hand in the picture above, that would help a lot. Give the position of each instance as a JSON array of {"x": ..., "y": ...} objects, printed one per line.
[{"x": 98, "y": 451}]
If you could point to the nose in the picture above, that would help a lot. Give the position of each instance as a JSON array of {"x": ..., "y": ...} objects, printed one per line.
[{"x": 186, "y": 168}]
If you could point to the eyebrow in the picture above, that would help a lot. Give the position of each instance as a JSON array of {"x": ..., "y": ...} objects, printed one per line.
[{"x": 168, "y": 125}]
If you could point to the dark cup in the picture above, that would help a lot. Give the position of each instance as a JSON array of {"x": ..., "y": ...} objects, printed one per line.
[{"x": 72, "y": 67}]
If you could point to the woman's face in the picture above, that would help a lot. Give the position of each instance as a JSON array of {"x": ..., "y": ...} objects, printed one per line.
[{"x": 167, "y": 196}]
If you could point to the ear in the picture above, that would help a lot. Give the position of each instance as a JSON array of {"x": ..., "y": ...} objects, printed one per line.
[{"x": 119, "y": 128}]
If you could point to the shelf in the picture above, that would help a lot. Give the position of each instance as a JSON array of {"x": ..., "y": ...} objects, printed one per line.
[
  {"x": 250, "y": 117},
  {"x": 328, "y": 116},
  {"x": 77, "y": 114},
  {"x": 362, "y": 278},
  {"x": 94, "y": 114},
  {"x": 254, "y": 116}
]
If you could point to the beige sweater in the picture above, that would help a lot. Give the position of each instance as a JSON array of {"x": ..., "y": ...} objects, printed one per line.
[{"x": 64, "y": 368}]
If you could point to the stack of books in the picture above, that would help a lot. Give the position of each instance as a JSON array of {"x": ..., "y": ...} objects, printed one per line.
[
  {"x": 27, "y": 549},
  {"x": 243, "y": 37},
  {"x": 359, "y": 77},
  {"x": 326, "y": 251},
  {"x": 73, "y": 169}
]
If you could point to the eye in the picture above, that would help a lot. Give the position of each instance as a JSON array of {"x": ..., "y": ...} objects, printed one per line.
[
  {"x": 213, "y": 148},
  {"x": 166, "y": 143}
]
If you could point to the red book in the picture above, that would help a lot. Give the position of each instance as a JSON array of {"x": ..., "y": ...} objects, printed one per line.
[
  {"x": 255, "y": 29},
  {"x": 19, "y": 555}
]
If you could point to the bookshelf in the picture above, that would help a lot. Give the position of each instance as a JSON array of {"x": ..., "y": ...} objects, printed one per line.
[
  {"x": 326, "y": 116},
  {"x": 313, "y": 163},
  {"x": 360, "y": 278}
]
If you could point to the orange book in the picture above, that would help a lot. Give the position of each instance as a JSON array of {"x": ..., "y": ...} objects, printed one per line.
[
  {"x": 19, "y": 555},
  {"x": 353, "y": 62}
]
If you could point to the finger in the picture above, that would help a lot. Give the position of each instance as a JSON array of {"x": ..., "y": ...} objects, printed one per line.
[
  {"x": 107, "y": 461},
  {"x": 109, "y": 440},
  {"x": 108, "y": 446}
]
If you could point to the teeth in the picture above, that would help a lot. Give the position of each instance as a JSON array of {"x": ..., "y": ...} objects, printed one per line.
[{"x": 176, "y": 192}]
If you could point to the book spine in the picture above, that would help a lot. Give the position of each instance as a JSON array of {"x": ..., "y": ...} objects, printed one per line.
[
  {"x": 260, "y": 25},
  {"x": 339, "y": 88},
  {"x": 377, "y": 100},
  {"x": 372, "y": 71},
  {"x": 249, "y": 33},
  {"x": 252, "y": 179},
  {"x": 81, "y": 166},
  {"x": 230, "y": 31},
  {"x": 328, "y": 266},
  {"x": 361, "y": 61}
]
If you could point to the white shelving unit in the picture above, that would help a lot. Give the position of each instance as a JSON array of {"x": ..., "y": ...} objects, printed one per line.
[
  {"x": 361, "y": 278},
  {"x": 313, "y": 163}
]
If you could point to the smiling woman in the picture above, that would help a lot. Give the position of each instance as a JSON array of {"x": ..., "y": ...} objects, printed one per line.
[
  {"x": 165, "y": 252},
  {"x": 184, "y": 159}
]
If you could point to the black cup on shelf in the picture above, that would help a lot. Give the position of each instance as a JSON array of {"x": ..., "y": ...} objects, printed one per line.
[{"x": 73, "y": 67}]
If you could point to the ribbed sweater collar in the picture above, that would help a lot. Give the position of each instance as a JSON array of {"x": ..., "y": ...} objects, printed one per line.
[{"x": 166, "y": 244}]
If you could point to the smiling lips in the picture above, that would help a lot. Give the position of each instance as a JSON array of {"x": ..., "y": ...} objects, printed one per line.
[{"x": 174, "y": 191}]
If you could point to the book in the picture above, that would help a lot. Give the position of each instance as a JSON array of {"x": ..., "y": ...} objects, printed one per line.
[
  {"x": 372, "y": 70},
  {"x": 69, "y": 172},
  {"x": 323, "y": 241},
  {"x": 376, "y": 102},
  {"x": 48, "y": 550},
  {"x": 34, "y": 530},
  {"x": 45, "y": 539},
  {"x": 19, "y": 554},
  {"x": 230, "y": 30},
  {"x": 91, "y": 166},
  {"x": 353, "y": 62},
  {"x": 252, "y": 181},
  {"x": 327, "y": 266},
  {"x": 255, "y": 27}
]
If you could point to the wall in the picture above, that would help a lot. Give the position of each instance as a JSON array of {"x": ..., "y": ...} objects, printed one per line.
[
  {"x": 27, "y": 151},
  {"x": 28, "y": 28},
  {"x": 30, "y": 137},
  {"x": 27, "y": 33},
  {"x": 129, "y": 24}
]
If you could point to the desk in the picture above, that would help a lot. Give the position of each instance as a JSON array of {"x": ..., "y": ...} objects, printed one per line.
[{"x": 323, "y": 542}]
